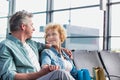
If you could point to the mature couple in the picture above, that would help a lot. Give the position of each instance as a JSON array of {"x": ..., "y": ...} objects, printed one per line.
[{"x": 19, "y": 55}]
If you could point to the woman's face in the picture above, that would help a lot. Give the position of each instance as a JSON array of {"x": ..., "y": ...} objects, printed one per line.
[{"x": 53, "y": 37}]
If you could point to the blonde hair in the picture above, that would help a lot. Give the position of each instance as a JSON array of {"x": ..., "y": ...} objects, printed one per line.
[{"x": 57, "y": 27}]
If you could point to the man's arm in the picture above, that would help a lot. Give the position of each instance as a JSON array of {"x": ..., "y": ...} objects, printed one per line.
[
  {"x": 31, "y": 76},
  {"x": 69, "y": 53},
  {"x": 35, "y": 75}
]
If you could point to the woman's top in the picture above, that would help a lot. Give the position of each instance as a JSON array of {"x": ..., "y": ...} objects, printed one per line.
[{"x": 51, "y": 56}]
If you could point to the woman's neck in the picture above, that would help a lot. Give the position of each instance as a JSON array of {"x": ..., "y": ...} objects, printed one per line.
[{"x": 58, "y": 48}]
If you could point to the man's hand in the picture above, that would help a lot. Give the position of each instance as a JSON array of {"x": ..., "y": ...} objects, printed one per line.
[
  {"x": 48, "y": 44},
  {"x": 45, "y": 70},
  {"x": 69, "y": 53},
  {"x": 51, "y": 67}
]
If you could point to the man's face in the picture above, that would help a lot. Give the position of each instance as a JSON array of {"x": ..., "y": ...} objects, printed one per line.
[{"x": 29, "y": 28}]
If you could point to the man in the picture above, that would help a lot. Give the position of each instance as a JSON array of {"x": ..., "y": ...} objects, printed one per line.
[{"x": 19, "y": 54}]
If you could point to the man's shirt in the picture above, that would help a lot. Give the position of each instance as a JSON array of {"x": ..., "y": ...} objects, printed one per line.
[{"x": 14, "y": 57}]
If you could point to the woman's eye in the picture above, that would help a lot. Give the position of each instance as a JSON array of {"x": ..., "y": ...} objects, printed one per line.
[
  {"x": 47, "y": 35},
  {"x": 54, "y": 34}
]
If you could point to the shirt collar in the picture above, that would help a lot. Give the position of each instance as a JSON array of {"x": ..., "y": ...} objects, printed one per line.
[{"x": 14, "y": 39}]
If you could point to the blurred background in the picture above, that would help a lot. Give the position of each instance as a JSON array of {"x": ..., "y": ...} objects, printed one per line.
[{"x": 90, "y": 24}]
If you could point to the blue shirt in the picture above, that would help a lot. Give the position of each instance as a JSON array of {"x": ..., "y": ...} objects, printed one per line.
[
  {"x": 51, "y": 56},
  {"x": 14, "y": 57}
]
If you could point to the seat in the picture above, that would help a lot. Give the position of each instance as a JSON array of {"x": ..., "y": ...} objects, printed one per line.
[
  {"x": 111, "y": 61},
  {"x": 86, "y": 59}
]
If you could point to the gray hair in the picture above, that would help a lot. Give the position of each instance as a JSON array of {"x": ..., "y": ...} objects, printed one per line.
[{"x": 17, "y": 19}]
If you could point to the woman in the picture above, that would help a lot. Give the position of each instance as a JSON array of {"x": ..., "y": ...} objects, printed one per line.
[{"x": 55, "y": 34}]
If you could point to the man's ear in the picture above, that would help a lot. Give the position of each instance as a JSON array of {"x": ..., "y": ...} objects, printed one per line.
[{"x": 23, "y": 26}]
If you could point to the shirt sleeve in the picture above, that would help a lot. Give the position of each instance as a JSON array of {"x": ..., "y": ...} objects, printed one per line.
[
  {"x": 7, "y": 66},
  {"x": 39, "y": 46},
  {"x": 45, "y": 57}
]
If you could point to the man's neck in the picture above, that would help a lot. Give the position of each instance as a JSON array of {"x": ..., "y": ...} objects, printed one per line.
[{"x": 19, "y": 36}]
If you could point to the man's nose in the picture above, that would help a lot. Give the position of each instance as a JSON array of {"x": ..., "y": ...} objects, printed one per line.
[{"x": 33, "y": 29}]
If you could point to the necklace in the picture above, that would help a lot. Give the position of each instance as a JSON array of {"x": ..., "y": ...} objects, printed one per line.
[{"x": 62, "y": 55}]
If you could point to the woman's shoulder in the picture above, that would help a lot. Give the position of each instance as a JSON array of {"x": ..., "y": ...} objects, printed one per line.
[{"x": 48, "y": 51}]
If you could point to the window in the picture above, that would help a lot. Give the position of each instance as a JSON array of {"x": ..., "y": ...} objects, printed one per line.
[
  {"x": 115, "y": 25},
  {"x": 3, "y": 18}
]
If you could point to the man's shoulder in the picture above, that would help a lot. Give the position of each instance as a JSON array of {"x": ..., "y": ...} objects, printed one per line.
[
  {"x": 31, "y": 41},
  {"x": 6, "y": 41},
  {"x": 35, "y": 43}
]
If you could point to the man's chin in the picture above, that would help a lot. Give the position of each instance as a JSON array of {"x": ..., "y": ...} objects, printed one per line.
[{"x": 29, "y": 38}]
